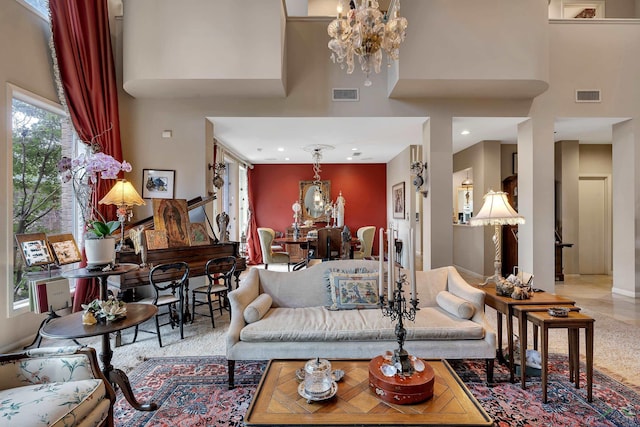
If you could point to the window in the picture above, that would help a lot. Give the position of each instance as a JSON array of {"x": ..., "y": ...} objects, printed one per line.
[{"x": 41, "y": 135}]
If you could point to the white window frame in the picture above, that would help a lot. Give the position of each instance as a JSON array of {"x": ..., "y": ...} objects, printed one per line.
[{"x": 24, "y": 95}]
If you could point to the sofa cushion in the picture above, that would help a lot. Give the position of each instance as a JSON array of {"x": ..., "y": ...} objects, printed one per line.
[
  {"x": 353, "y": 290},
  {"x": 257, "y": 308},
  {"x": 52, "y": 404},
  {"x": 455, "y": 305},
  {"x": 321, "y": 324}
]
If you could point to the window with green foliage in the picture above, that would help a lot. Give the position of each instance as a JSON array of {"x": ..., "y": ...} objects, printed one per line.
[{"x": 40, "y": 135}]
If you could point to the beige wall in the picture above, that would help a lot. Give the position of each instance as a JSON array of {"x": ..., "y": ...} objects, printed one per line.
[{"x": 473, "y": 249}]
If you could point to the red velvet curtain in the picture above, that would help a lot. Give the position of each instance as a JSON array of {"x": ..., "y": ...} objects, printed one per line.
[
  {"x": 253, "y": 240},
  {"x": 82, "y": 43}
]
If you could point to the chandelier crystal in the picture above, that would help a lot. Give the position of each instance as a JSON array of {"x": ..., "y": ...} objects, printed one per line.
[
  {"x": 319, "y": 199},
  {"x": 365, "y": 32}
]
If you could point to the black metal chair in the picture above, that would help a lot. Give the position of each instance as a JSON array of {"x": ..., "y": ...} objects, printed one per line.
[
  {"x": 169, "y": 278},
  {"x": 219, "y": 272}
]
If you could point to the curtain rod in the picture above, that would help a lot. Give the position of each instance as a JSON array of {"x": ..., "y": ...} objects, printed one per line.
[{"x": 231, "y": 153}]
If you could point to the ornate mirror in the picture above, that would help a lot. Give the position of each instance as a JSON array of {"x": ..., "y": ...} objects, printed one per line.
[{"x": 314, "y": 198}]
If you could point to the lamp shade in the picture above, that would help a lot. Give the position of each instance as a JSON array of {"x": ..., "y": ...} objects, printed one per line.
[
  {"x": 496, "y": 210},
  {"x": 122, "y": 194}
]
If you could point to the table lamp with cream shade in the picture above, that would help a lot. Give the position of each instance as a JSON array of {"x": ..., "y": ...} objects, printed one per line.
[
  {"x": 496, "y": 211},
  {"x": 124, "y": 196}
]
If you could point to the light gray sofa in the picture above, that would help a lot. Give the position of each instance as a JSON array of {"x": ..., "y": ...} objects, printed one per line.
[{"x": 296, "y": 322}]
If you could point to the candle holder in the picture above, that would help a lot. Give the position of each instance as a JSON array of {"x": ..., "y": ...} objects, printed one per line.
[{"x": 397, "y": 309}]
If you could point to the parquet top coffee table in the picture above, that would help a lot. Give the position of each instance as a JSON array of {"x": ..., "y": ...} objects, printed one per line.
[{"x": 277, "y": 402}]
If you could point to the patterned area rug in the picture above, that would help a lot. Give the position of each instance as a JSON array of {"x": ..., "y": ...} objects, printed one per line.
[{"x": 191, "y": 391}]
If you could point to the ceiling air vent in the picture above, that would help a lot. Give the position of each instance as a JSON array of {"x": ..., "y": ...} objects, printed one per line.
[
  {"x": 588, "y": 96},
  {"x": 345, "y": 95}
]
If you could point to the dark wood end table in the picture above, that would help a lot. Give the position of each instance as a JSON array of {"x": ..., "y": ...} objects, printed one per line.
[
  {"x": 71, "y": 327},
  {"x": 504, "y": 305},
  {"x": 277, "y": 402},
  {"x": 573, "y": 323}
]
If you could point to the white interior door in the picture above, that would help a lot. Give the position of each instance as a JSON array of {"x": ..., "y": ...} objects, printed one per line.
[{"x": 593, "y": 229}]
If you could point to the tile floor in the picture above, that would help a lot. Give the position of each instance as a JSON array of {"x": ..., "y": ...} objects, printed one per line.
[{"x": 593, "y": 292}]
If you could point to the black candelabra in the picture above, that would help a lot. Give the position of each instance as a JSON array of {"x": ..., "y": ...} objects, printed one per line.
[{"x": 397, "y": 309}]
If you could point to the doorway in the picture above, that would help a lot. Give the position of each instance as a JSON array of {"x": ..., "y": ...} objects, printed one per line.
[{"x": 594, "y": 225}]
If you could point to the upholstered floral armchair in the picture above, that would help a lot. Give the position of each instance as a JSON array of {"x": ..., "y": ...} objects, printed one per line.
[{"x": 55, "y": 386}]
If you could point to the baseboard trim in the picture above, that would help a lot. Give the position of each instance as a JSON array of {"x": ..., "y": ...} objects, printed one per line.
[{"x": 624, "y": 292}]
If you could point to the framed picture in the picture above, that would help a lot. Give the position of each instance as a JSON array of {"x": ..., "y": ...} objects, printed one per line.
[
  {"x": 158, "y": 184},
  {"x": 514, "y": 163},
  {"x": 64, "y": 248},
  {"x": 172, "y": 217},
  {"x": 198, "y": 235},
  {"x": 34, "y": 249},
  {"x": 397, "y": 196},
  {"x": 156, "y": 239}
]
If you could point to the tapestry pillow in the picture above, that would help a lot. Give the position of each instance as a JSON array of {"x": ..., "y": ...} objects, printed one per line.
[
  {"x": 455, "y": 305},
  {"x": 353, "y": 290},
  {"x": 257, "y": 308}
]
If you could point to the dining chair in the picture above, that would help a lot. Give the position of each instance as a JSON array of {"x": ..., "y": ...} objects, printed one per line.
[
  {"x": 168, "y": 282},
  {"x": 219, "y": 272},
  {"x": 365, "y": 235},
  {"x": 329, "y": 243},
  {"x": 266, "y": 236}
]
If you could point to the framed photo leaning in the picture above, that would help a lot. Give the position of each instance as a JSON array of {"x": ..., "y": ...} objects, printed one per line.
[
  {"x": 158, "y": 184},
  {"x": 34, "y": 249},
  {"x": 397, "y": 195},
  {"x": 64, "y": 248}
]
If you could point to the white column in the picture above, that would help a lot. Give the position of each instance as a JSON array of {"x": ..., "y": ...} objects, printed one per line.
[
  {"x": 626, "y": 209},
  {"x": 536, "y": 238}
]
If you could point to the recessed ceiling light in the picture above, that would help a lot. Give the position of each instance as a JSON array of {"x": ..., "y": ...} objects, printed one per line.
[
  {"x": 349, "y": 158},
  {"x": 280, "y": 148},
  {"x": 286, "y": 158},
  {"x": 465, "y": 132},
  {"x": 354, "y": 149}
]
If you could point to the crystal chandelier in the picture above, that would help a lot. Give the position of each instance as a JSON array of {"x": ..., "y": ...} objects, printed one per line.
[
  {"x": 365, "y": 31},
  {"x": 319, "y": 199}
]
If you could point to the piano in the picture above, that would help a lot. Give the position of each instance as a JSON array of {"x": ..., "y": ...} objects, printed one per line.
[{"x": 195, "y": 256}]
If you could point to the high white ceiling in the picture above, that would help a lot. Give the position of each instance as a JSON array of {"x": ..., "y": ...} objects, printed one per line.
[{"x": 377, "y": 139}]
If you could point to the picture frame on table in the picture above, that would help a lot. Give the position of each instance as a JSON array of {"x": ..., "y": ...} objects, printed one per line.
[
  {"x": 158, "y": 183},
  {"x": 397, "y": 196},
  {"x": 34, "y": 249},
  {"x": 64, "y": 248}
]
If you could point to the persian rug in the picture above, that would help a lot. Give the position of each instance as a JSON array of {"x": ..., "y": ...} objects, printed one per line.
[{"x": 192, "y": 391}]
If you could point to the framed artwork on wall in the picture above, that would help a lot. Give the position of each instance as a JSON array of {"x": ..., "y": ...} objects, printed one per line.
[
  {"x": 397, "y": 196},
  {"x": 158, "y": 184}
]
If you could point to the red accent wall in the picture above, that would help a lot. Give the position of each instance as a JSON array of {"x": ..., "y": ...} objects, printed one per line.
[{"x": 363, "y": 186}]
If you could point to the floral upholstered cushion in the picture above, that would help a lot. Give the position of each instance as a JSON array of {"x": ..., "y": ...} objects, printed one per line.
[
  {"x": 52, "y": 404},
  {"x": 353, "y": 290},
  {"x": 52, "y": 387}
]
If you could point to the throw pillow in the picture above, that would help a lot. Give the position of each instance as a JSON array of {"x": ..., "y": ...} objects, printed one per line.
[
  {"x": 455, "y": 305},
  {"x": 257, "y": 308},
  {"x": 353, "y": 290}
]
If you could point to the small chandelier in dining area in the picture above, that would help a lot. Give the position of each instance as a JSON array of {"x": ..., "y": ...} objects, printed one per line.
[{"x": 364, "y": 31}]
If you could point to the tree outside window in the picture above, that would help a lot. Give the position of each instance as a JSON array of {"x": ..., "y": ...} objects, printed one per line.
[{"x": 37, "y": 137}]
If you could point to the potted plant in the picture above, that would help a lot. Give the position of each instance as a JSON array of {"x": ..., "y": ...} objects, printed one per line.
[{"x": 84, "y": 172}]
